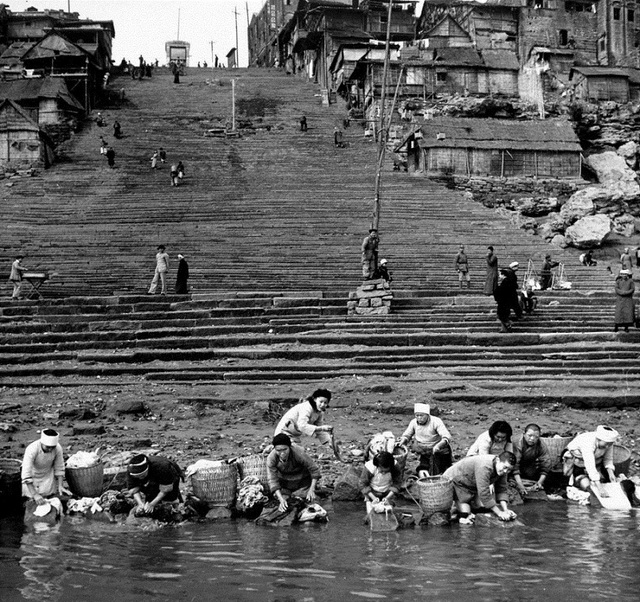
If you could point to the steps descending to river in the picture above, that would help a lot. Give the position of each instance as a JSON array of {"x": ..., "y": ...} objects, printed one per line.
[
  {"x": 271, "y": 223},
  {"x": 276, "y": 210}
]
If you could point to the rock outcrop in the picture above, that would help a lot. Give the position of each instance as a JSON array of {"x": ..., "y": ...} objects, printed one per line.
[
  {"x": 614, "y": 174},
  {"x": 587, "y": 232}
]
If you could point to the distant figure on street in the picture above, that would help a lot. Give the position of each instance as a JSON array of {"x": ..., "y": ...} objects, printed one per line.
[
  {"x": 103, "y": 146},
  {"x": 162, "y": 267},
  {"x": 546, "y": 277},
  {"x": 111, "y": 156},
  {"x": 625, "y": 261},
  {"x": 370, "y": 254},
  {"x": 16, "y": 276},
  {"x": 182, "y": 286},
  {"x": 176, "y": 73},
  {"x": 100, "y": 122},
  {"x": 198, "y": 64},
  {"x": 117, "y": 129},
  {"x": 216, "y": 62},
  {"x": 638, "y": 257},
  {"x": 338, "y": 138},
  {"x": 491, "y": 278},
  {"x": 154, "y": 160},
  {"x": 461, "y": 265},
  {"x": 174, "y": 174},
  {"x": 205, "y": 65},
  {"x": 180, "y": 167},
  {"x": 303, "y": 123},
  {"x": 163, "y": 155},
  {"x": 587, "y": 259},
  {"x": 625, "y": 307}
]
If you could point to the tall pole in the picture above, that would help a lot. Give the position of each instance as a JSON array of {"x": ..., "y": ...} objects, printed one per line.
[
  {"x": 178, "y": 37},
  {"x": 381, "y": 127},
  {"x": 235, "y": 12}
]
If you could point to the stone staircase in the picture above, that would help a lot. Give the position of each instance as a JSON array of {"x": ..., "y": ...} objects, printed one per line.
[{"x": 271, "y": 223}]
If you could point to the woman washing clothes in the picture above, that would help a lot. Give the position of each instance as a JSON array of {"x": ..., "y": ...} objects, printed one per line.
[
  {"x": 291, "y": 472},
  {"x": 380, "y": 479}
]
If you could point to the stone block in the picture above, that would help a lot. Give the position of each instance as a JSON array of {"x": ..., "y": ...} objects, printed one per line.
[
  {"x": 353, "y": 295},
  {"x": 130, "y": 407},
  {"x": 363, "y": 303},
  {"x": 345, "y": 488},
  {"x": 366, "y": 287},
  {"x": 369, "y": 294},
  {"x": 376, "y": 302},
  {"x": 351, "y": 304}
]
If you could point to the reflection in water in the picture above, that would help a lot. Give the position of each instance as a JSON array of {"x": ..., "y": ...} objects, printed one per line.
[
  {"x": 43, "y": 563},
  {"x": 560, "y": 553}
]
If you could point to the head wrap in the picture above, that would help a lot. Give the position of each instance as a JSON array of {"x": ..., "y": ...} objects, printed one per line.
[
  {"x": 606, "y": 434},
  {"x": 139, "y": 466},
  {"x": 421, "y": 408},
  {"x": 625, "y": 272},
  {"x": 514, "y": 265},
  {"x": 49, "y": 437},
  {"x": 281, "y": 439},
  {"x": 383, "y": 262},
  {"x": 180, "y": 256}
]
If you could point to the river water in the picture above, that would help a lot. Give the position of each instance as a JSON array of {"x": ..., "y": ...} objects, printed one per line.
[{"x": 562, "y": 553}]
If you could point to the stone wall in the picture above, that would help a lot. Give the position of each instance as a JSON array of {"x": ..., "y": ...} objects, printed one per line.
[
  {"x": 371, "y": 298},
  {"x": 501, "y": 187}
]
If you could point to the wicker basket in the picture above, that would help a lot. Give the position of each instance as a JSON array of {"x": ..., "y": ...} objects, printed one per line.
[
  {"x": 216, "y": 486},
  {"x": 400, "y": 453},
  {"x": 86, "y": 481},
  {"x": 255, "y": 466},
  {"x": 10, "y": 481},
  {"x": 556, "y": 445},
  {"x": 621, "y": 459},
  {"x": 435, "y": 494}
]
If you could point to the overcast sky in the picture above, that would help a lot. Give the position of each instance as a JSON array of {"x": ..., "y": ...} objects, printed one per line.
[{"x": 143, "y": 26}]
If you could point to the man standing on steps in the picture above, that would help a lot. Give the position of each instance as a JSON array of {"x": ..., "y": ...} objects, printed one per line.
[
  {"x": 111, "y": 156},
  {"x": 162, "y": 267},
  {"x": 461, "y": 265},
  {"x": 491, "y": 279},
  {"x": 370, "y": 254},
  {"x": 182, "y": 286}
]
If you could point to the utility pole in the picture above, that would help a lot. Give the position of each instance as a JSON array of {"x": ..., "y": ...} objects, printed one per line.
[
  {"x": 382, "y": 130},
  {"x": 178, "y": 37},
  {"x": 211, "y": 43},
  {"x": 235, "y": 13}
]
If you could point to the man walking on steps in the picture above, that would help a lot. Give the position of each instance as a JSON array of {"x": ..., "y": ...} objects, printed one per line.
[
  {"x": 461, "y": 265},
  {"x": 162, "y": 267}
]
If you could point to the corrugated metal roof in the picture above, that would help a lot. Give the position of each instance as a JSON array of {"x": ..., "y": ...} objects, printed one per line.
[
  {"x": 499, "y": 134},
  {"x": 52, "y": 45},
  {"x": 500, "y": 59}
]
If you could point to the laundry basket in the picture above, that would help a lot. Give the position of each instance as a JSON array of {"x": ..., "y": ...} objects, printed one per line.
[
  {"x": 555, "y": 446},
  {"x": 10, "y": 482},
  {"x": 254, "y": 466},
  {"x": 435, "y": 494},
  {"x": 85, "y": 481},
  {"x": 217, "y": 485}
]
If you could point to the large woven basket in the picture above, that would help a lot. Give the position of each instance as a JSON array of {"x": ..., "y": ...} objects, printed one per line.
[
  {"x": 255, "y": 466},
  {"x": 216, "y": 486},
  {"x": 10, "y": 481},
  {"x": 621, "y": 459},
  {"x": 435, "y": 494},
  {"x": 556, "y": 445},
  {"x": 86, "y": 481}
]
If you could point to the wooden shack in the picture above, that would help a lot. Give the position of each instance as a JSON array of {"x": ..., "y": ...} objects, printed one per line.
[
  {"x": 600, "y": 83},
  {"x": 22, "y": 142},
  {"x": 494, "y": 148}
]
